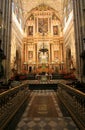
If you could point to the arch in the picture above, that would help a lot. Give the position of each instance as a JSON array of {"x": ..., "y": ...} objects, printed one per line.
[{"x": 41, "y": 8}]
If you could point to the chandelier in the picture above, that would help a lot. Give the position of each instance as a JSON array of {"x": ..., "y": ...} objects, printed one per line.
[{"x": 43, "y": 49}]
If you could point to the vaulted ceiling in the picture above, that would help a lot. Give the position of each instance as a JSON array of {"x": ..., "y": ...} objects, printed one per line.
[{"x": 28, "y": 5}]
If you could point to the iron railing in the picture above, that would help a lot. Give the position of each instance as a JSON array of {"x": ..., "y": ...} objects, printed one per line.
[
  {"x": 10, "y": 102},
  {"x": 74, "y": 101}
]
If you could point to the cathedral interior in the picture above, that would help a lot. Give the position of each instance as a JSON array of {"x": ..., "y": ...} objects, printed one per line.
[{"x": 42, "y": 65}]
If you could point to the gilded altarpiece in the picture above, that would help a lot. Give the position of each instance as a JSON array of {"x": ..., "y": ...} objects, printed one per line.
[{"x": 43, "y": 32}]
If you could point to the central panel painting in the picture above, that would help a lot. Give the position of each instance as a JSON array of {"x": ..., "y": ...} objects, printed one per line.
[{"x": 42, "y": 25}]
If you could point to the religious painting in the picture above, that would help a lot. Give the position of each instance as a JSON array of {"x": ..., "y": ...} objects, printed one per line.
[
  {"x": 55, "y": 54},
  {"x": 55, "y": 30},
  {"x": 30, "y": 54},
  {"x": 43, "y": 25},
  {"x": 30, "y": 30}
]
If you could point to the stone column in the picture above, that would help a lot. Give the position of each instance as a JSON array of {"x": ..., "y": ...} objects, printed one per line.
[
  {"x": 6, "y": 37},
  {"x": 79, "y": 22}
]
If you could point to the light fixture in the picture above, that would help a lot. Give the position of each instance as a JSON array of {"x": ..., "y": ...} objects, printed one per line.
[{"x": 43, "y": 49}]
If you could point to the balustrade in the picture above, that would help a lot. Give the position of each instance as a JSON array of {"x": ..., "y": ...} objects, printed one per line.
[
  {"x": 10, "y": 102},
  {"x": 74, "y": 100}
]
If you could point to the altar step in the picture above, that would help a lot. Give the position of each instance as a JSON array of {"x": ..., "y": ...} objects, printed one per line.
[{"x": 42, "y": 86}]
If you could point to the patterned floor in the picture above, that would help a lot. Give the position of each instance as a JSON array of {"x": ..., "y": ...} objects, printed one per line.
[{"x": 59, "y": 122}]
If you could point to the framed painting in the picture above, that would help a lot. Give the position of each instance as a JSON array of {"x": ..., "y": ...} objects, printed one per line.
[
  {"x": 43, "y": 25},
  {"x": 30, "y": 54},
  {"x": 30, "y": 30},
  {"x": 55, "y": 30}
]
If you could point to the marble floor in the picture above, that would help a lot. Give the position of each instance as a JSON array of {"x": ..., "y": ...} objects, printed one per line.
[{"x": 59, "y": 121}]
